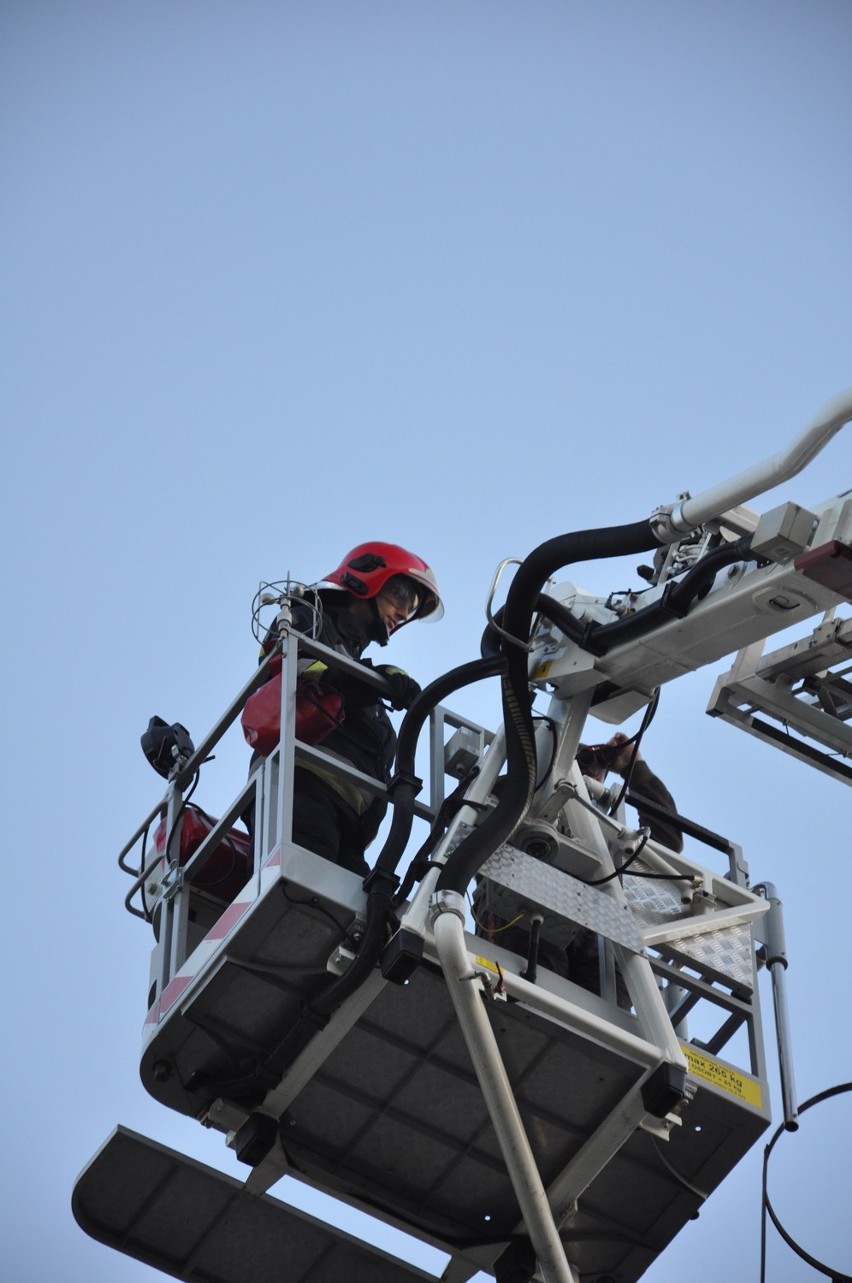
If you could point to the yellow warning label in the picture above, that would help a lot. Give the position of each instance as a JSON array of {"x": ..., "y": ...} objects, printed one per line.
[
  {"x": 730, "y": 1080},
  {"x": 542, "y": 670},
  {"x": 486, "y": 962}
]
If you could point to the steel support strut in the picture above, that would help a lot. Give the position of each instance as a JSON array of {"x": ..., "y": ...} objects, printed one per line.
[
  {"x": 775, "y": 946},
  {"x": 465, "y": 992}
]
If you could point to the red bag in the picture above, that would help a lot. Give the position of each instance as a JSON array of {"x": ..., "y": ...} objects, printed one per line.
[
  {"x": 228, "y": 866},
  {"x": 318, "y": 710}
]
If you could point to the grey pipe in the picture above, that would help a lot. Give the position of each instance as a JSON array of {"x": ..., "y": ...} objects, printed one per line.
[
  {"x": 691, "y": 513},
  {"x": 496, "y": 1089},
  {"x": 775, "y": 946}
]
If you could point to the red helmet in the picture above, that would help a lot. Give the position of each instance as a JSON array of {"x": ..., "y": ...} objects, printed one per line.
[{"x": 366, "y": 569}]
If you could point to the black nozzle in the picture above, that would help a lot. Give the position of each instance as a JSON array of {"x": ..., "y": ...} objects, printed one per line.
[
  {"x": 602, "y": 755},
  {"x": 164, "y": 744}
]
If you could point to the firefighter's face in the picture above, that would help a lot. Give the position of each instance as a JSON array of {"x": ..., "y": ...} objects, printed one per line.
[{"x": 397, "y": 602}]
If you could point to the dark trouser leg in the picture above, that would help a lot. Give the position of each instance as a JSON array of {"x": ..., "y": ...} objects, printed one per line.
[
  {"x": 323, "y": 823},
  {"x": 584, "y": 968}
]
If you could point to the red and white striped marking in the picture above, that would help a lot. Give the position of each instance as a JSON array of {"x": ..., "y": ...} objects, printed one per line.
[{"x": 211, "y": 945}]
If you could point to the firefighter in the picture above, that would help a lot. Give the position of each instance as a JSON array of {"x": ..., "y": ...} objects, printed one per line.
[{"x": 377, "y": 589}]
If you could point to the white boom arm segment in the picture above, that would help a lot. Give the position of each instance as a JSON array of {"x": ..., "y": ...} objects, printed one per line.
[{"x": 691, "y": 513}]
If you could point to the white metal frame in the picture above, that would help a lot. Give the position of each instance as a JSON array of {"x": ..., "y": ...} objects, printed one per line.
[{"x": 797, "y": 697}]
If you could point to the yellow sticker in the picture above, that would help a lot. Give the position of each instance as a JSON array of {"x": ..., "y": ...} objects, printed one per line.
[
  {"x": 730, "y": 1080},
  {"x": 542, "y": 670},
  {"x": 486, "y": 962}
]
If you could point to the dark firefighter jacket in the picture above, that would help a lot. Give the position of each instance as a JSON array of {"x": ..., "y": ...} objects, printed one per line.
[{"x": 366, "y": 739}]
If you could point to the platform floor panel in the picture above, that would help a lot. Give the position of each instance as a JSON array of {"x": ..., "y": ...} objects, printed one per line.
[
  {"x": 196, "y": 1224},
  {"x": 396, "y": 1108}
]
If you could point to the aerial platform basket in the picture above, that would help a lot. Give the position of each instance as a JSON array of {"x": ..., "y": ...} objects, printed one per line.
[{"x": 383, "y": 1107}]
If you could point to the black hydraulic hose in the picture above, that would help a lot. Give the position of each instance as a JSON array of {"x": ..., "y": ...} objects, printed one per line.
[
  {"x": 450, "y": 807},
  {"x": 489, "y": 646},
  {"x": 698, "y": 580},
  {"x": 524, "y": 592},
  {"x": 552, "y": 609},
  {"x": 531, "y": 970},
  {"x": 560, "y": 615},
  {"x": 675, "y": 602},
  {"x": 381, "y": 882},
  {"x": 581, "y": 545},
  {"x": 405, "y": 784}
]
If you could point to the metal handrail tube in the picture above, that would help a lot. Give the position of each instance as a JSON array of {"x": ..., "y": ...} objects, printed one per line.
[
  {"x": 232, "y": 712},
  {"x": 211, "y": 739},
  {"x": 196, "y": 760},
  {"x": 304, "y": 753},
  {"x": 143, "y": 827},
  {"x": 216, "y": 834},
  {"x": 603, "y": 1031},
  {"x": 313, "y": 647}
]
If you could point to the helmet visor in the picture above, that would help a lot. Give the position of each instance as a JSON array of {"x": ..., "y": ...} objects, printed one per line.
[{"x": 403, "y": 594}]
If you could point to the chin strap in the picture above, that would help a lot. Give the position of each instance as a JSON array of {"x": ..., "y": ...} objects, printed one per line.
[{"x": 378, "y": 627}]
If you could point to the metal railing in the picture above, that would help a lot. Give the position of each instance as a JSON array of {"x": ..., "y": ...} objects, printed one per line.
[{"x": 164, "y": 888}]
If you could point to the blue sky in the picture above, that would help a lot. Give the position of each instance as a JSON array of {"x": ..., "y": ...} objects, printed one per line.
[{"x": 280, "y": 277}]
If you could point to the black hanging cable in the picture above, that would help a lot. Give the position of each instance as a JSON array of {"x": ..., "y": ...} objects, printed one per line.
[
  {"x": 637, "y": 740},
  {"x": 622, "y": 868},
  {"x": 531, "y": 970},
  {"x": 837, "y": 1276},
  {"x": 448, "y": 809},
  {"x": 176, "y": 826},
  {"x": 676, "y": 601},
  {"x": 145, "y": 910}
]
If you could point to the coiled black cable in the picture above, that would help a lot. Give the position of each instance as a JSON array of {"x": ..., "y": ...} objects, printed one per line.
[{"x": 837, "y": 1276}]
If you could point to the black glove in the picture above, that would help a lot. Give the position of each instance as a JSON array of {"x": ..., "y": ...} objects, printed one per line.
[{"x": 403, "y": 689}]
